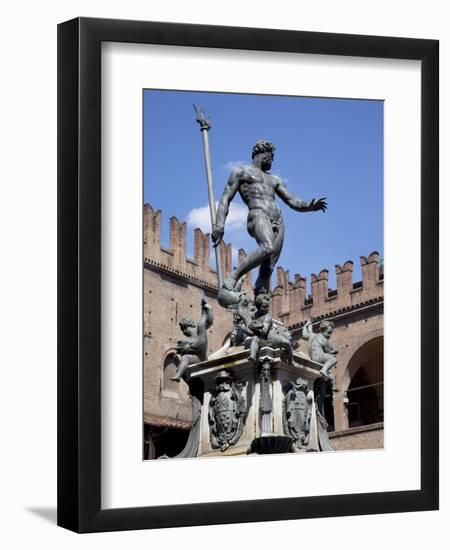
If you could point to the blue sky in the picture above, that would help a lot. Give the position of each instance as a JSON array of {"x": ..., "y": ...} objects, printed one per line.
[{"x": 324, "y": 147}]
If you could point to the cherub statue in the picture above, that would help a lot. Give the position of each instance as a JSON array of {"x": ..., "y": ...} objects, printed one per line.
[
  {"x": 193, "y": 348},
  {"x": 243, "y": 313},
  {"x": 320, "y": 349},
  {"x": 262, "y": 330}
]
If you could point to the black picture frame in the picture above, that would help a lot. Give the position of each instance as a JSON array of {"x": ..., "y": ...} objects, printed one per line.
[{"x": 79, "y": 274}]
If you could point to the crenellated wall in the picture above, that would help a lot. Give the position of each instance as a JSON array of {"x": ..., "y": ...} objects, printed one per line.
[
  {"x": 293, "y": 304},
  {"x": 175, "y": 258}
]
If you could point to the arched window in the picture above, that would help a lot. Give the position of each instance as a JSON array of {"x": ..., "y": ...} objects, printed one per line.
[
  {"x": 365, "y": 391},
  {"x": 170, "y": 388}
]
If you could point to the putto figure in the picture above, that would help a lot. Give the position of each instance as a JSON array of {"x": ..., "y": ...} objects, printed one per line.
[
  {"x": 257, "y": 188},
  {"x": 262, "y": 330},
  {"x": 320, "y": 349},
  {"x": 193, "y": 348}
]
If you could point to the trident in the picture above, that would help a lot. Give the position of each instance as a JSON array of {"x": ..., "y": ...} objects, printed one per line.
[{"x": 205, "y": 125}]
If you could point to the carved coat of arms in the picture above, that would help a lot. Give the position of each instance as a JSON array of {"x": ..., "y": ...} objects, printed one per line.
[
  {"x": 297, "y": 412},
  {"x": 227, "y": 410}
]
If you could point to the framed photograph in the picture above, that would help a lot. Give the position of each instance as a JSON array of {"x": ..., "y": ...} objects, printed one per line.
[{"x": 248, "y": 275}]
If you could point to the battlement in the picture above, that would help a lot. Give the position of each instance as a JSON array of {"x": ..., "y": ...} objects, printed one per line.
[
  {"x": 175, "y": 258},
  {"x": 291, "y": 302}
]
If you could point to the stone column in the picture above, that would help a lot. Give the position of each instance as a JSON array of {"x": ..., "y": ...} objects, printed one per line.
[{"x": 340, "y": 412}]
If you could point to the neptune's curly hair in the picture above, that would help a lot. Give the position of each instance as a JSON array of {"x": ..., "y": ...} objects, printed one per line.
[{"x": 262, "y": 146}]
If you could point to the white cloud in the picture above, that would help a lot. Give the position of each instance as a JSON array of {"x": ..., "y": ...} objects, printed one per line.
[
  {"x": 200, "y": 217},
  {"x": 236, "y": 219},
  {"x": 232, "y": 164},
  {"x": 234, "y": 256}
]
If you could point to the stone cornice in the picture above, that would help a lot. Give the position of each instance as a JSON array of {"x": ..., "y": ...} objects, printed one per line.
[
  {"x": 162, "y": 268},
  {"x": 343, "y": 313}
]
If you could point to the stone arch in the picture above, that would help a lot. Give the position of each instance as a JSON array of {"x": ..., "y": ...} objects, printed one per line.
[
  {"x": 374, "y": 345},
  {"x": 363, "y": 384},
  {"x": 345, "y": 368}
]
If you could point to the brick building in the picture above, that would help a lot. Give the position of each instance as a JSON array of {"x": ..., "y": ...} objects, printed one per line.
[{"x": 173, "y": 287}]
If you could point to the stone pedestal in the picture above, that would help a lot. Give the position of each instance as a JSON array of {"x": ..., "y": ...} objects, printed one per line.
[{"x": 245, "y": 407}]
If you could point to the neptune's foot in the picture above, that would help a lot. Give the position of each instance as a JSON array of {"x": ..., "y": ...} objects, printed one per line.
[{"x": 230, "y": 293}]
